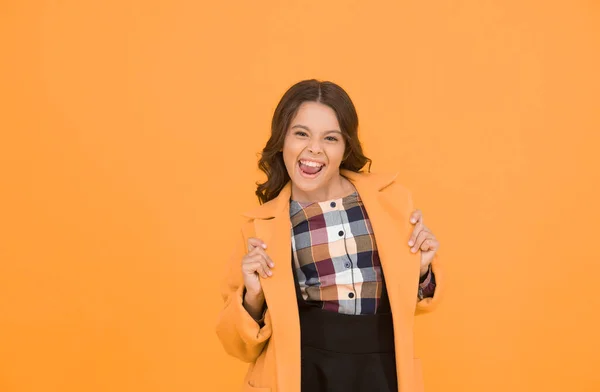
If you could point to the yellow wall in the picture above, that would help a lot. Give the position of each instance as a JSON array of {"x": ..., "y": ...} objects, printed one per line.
[{"x": 129, "y": 134}]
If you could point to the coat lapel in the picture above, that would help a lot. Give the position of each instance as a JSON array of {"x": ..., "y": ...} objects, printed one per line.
[
  {"x": 272, "y": 224},
  {"x": 389, "y": 215}
]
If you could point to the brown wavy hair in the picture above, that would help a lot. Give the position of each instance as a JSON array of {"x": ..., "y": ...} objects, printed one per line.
[{"x": 328, "y": 93}]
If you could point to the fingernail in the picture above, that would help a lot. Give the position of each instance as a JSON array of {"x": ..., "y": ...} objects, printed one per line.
[
  {"x": 264, "y": 246},
  {"x": 413, "y": 220},
  {"x": 413, "y": 250},
  {"x": 410, "y": 243},
  {"x": 269, "y": 273},
  {"x": 271, "y": 265}
]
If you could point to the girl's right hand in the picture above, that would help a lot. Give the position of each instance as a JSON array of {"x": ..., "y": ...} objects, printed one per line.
[{"x": 254, "y": 264}]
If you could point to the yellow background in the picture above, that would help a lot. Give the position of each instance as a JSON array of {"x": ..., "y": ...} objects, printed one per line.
[{"x": 129, "y": 134}]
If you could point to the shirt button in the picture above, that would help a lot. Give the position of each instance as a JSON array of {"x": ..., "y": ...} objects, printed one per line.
[
  {"x": 351, "y": 295},
  {"x": 332, "y": 204},
  {"x": 341, "y": 233},
  {"x": 347, "y": 265}
]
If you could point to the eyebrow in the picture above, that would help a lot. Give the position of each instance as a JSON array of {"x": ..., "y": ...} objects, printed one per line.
[{"x": 308, "y": 129}]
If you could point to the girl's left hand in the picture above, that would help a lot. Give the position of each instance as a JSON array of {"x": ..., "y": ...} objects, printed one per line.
[{"x": 422, "y": 238}]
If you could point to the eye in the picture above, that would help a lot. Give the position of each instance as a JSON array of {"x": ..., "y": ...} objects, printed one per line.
[
  {"x": 332, "y": 138},
  {"x": 300, "y": 133}
]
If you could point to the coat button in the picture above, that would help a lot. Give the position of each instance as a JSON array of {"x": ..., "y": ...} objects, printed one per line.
[
  {"x": 347, "y": 265},
  {"x": 351, "y": 295},
  {"x": 332, "y": 204},
  {"x": 341, "y": 233}
]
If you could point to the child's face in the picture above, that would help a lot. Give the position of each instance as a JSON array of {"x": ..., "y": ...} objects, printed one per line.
[{"x": 313, "y": 135}]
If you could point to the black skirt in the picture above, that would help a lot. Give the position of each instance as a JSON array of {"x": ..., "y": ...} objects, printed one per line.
[{"x": 347, "y": 353}]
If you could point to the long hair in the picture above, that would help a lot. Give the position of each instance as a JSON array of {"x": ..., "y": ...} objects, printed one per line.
[{"x": 328, "y": 93}]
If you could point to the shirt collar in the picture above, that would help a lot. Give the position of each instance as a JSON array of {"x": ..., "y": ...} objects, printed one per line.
[{"x": 280, "y": 204}]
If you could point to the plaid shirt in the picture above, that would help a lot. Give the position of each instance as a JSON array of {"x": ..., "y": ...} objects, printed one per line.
[{"x": 335, "y": 256}]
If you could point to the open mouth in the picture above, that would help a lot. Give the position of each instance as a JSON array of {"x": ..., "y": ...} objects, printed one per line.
[{"x": 310, "y": 169}]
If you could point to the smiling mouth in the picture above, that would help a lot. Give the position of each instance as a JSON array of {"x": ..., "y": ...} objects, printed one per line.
[{"x": 310, "y": 169}]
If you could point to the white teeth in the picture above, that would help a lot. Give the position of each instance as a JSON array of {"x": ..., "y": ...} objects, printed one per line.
[{"x": 313, "y": 164}]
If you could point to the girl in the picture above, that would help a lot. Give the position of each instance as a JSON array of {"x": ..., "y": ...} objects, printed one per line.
[{"x": 330, "y": 269}]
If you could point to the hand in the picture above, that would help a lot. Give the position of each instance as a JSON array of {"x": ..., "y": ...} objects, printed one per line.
[
  {"x": 422, "y": 238},
  {"x": 254, "y": 264}
]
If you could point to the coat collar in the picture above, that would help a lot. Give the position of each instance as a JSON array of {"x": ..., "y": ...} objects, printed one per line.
[{"x": 362, "y": 181}]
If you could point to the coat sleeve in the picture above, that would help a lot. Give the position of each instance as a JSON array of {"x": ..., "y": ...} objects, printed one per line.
[
  {"x": 240, "y": 334},
  {"x": 426, "y": 305}
]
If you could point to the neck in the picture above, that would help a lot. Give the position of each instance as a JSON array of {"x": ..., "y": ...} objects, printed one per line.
[{"x": 336, "y": 188}]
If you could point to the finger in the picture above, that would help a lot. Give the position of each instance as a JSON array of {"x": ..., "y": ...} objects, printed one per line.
[
  {"x": 416, "y": 231},
  {"x": 258, "y": 265},
  {"x": 252, "y": 267},
  {"x": 430, "y": 244},
  {"x": 263, "y": 258},
  {"x": 416, "y": 216},
  {"x": 266, "y": 271},
  {"x": 261, "y": 251},
  {"x": 421, "y": 237},
  {"x": 254, "y": 242}
]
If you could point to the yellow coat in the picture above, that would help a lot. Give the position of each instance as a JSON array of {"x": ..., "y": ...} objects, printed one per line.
[{"x": 273, "y": 351}]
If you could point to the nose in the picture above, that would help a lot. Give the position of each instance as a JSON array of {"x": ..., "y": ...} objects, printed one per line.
[{"x": 314, "y": 147}]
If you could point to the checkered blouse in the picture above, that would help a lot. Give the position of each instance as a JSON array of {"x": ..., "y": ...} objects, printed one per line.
[{"x": 335, "y": 256}]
